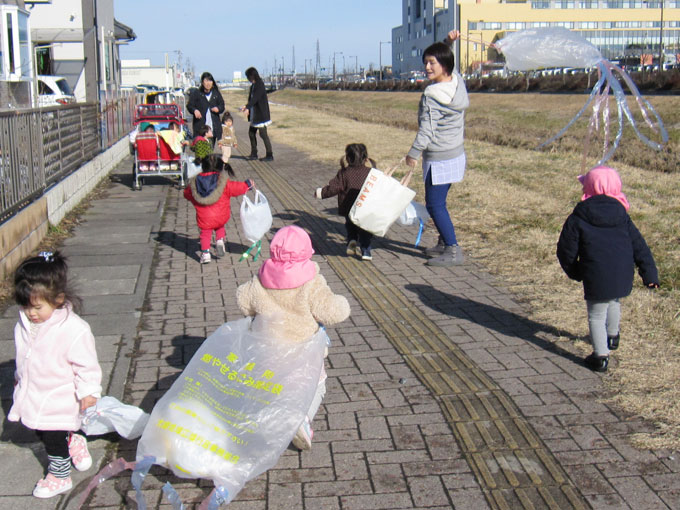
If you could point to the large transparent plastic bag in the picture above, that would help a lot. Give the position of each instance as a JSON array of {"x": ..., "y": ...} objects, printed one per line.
[
  {"x": 547, "y": 47},
  {"x": 236, "y": 406}
]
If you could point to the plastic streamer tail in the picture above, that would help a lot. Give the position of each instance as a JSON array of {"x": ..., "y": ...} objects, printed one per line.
[
  {"x": 172, "y": 496},
  {"x": 140, "y": 469},
  {"x": 601, "y": 96},
  {"x": 218, "y": 496},
  {"x": 257, "y": 244},
  {"x": 420, "y": 232}
]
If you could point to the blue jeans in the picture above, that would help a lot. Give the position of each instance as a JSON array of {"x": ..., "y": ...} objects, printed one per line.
[{"x": 435, "y": 202}]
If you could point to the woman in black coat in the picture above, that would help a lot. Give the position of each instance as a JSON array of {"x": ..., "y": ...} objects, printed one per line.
[
  {"x": 206, "y": 104},
  {"x": 258, "y": 114}
]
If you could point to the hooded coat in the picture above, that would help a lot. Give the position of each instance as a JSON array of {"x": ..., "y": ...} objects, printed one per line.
[
  {"x": 296, "y": 313},
  {"x": 600, "y": 245},
  {"x": 211, "y": 193},
  {"x": 441, "y": 121},
  {"x": 54, "y": 371}
]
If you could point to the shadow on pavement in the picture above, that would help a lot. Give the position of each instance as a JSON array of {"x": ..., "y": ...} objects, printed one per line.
[{"x": 494, "y": 318}]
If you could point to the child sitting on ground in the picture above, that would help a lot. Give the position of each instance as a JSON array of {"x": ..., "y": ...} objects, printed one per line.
[
  {"x": 346, "y": 185},
  {"x": 211, "y": 192},
  {"x": 289, "y": 286},
  {"x": 57, "y": 373},
  {"x": 228, "y": 139},
  {"x": 600, "y": 246}
]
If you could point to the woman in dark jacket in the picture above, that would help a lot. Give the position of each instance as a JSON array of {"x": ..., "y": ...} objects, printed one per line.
[
  {"x": 600, "y": 246},
  {"x": 258, "y": 114},
  {"x": 206, "y": 104}
]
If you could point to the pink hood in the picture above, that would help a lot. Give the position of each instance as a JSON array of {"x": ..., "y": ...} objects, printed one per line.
[
  {"x": 290, "y": 265},
  {"x": 603, "y": 180}
]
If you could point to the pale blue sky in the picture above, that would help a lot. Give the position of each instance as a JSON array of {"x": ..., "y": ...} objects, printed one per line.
[{"x": 222, "y": 36}]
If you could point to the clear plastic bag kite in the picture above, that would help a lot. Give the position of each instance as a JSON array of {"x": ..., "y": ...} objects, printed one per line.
[
  {"x": 559, "y": 47},
  {"x": 235, "y": 408}
]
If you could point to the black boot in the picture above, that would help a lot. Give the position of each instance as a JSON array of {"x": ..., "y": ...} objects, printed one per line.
[
  {"x": 252, "y": 156},
  {"x": 268, "y": 157},
  {"x": 597, "y": 363}
]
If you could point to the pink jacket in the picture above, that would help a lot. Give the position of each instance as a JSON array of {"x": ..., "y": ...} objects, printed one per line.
[{"x": 54, "y": 371}]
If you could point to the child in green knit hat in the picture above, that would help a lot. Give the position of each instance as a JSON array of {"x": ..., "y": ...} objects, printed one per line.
[{"x": 202, "y": 146}]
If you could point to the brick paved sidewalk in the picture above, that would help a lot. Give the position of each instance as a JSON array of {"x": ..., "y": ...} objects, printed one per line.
[{"x": 441, "y": 394}]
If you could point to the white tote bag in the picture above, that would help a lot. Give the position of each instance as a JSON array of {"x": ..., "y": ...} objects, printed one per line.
[
  {"x": 256, "y": 217},
  {"x": 381, "y": 200}
]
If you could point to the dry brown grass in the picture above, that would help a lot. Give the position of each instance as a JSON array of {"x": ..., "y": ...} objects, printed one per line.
[{"x": 509, "y": 211}]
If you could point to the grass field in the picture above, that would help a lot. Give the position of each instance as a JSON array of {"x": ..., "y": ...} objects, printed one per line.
[{"x": 509, "y": 211}]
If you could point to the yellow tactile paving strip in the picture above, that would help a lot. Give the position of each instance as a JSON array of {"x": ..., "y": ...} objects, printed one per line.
[{"x": 512, "y": 465}]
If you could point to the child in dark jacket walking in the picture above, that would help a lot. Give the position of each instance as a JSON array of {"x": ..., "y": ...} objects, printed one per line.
[
  {"x": 346, "y": 185},
  {"x": 600, "y": 246},
  {"x": 211, "y": 192}
]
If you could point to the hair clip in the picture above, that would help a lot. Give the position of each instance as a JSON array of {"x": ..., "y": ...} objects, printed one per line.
[{"x": 47, "y": 255}]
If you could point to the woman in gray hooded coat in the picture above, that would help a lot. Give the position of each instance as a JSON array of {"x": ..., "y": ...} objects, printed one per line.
[{"x": 441, "y": 118}]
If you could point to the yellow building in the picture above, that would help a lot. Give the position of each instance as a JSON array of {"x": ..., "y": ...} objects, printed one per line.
[{"x": 621, "y": 29}]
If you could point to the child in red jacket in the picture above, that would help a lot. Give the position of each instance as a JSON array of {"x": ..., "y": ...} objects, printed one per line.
[{"x": 211, "y": 192}]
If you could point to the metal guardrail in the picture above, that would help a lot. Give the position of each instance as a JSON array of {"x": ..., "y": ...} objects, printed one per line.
[{"x": 41, "y": 146}]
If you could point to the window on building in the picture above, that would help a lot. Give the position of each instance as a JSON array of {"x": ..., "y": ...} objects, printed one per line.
[
  {"x": 10, "y": 42},
  {"x": 540, "y": 5},
  {"x": 417, "y": 8},
  {"x": 587, "y": 4}
]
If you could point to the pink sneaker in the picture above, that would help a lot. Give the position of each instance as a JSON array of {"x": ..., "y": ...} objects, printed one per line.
[
  {"x": 80, "y": 456},
  {"x": 51, "y": 486}
]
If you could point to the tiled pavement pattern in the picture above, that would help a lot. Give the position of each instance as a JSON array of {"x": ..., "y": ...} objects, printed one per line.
[{"x": 441, "y": 394}]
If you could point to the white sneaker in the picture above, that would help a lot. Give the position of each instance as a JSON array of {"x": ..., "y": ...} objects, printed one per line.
[
  {"x": 80, "y": 455},
  {"x": 51, "y": 486},
  {"x": 205, "y": 257},
  {"x": 220, "y": 248}
]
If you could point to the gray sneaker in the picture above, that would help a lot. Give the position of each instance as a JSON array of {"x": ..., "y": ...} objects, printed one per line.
[
  {"x": 436, "y": 250},
  {"x": 451, "y": 256}
]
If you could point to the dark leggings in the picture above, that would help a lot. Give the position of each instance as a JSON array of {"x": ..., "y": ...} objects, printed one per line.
[
  {"x": 252, "y": 131},
  {"x": 55, "y": 441},
  {"x": 355, "y": 233}
]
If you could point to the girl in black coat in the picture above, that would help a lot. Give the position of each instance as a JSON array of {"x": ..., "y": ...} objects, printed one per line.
[
  {"x": 206, "y": 104},
  {"x": 258, "y": 114},
  {"x": 600, "y": 246}
]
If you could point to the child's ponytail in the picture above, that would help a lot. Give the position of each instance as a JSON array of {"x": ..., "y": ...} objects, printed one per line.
[{"x": 45, "y": 276}]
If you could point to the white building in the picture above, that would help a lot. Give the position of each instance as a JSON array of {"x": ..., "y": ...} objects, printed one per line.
[
  {"x": 79, "y": 40},
  {"x": 140, "y": 71}
]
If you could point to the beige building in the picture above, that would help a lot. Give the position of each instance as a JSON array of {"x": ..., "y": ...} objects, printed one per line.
[{"x": 621, "y": 29}]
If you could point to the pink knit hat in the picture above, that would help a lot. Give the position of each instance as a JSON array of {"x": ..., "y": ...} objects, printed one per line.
[
  {"x": 290, "y": 265},
  {"x": 603, "y": 180}
]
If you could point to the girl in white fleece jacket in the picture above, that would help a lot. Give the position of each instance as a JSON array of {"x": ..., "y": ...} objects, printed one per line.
[{"x": 57, "y": 373}]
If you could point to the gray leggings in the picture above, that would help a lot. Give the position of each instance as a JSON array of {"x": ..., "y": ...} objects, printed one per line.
[{"x": 603, "y": 321}]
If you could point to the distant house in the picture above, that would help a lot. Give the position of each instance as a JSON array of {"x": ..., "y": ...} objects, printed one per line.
[
  {"x": 16, "y": 63},
  {"x": 79, "y": 41},
  {"x": 140, "y": 71}
]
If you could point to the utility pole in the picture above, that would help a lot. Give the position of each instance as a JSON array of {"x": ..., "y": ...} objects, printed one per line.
[
  {"x": 293, "y": 60},
  {"x": 317, "y": 64}
]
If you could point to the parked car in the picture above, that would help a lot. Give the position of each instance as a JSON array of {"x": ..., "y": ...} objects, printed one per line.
[{"x": 54, "y": 90}]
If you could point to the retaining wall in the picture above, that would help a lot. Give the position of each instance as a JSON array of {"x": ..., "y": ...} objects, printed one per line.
[{"x": 21, "y": 234}]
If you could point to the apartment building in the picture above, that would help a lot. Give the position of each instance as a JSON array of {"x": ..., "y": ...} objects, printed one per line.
[{"x": 621, "y": 29}]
